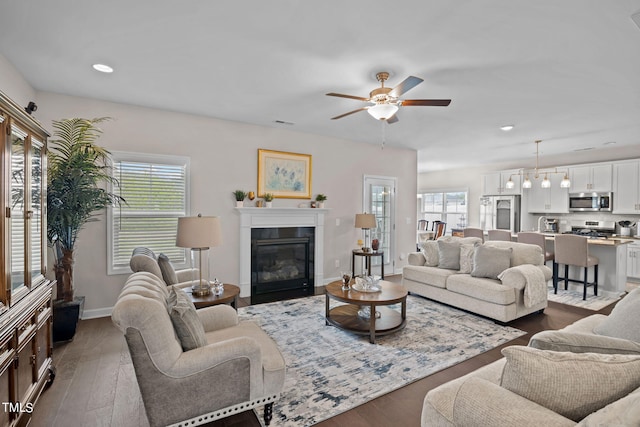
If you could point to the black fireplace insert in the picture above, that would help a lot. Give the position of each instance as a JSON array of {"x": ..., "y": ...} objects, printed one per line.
[{"x": 282, "y": 263}]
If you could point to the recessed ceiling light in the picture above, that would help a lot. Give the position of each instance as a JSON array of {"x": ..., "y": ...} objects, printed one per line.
[
  {"x": 609, "y": 143},
  {"x": 507, "y": 128},
  {"x": 102, "y": 68},
  {"x": 584, "y": 149}
]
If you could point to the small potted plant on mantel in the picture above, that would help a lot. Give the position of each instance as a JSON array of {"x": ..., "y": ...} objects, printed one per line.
[
  {"x": 240, "y": 196},
  {"x": 268, "y": 198},
  {"x": 320, "y": 198}
]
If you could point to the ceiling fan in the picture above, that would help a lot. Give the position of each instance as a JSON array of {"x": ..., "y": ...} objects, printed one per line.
[{"x": 385, "y": 101}]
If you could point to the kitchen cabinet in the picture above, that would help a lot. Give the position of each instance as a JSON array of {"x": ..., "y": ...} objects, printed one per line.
[
  {"x": 633, "y": 260},
  {"x": 591, "y": 178},
  {"x": 26, "y": 346},
  {"x": 495, "y": 184},
  {"x": 547, "y": 200},
  {"x": 626, "y": 181}
]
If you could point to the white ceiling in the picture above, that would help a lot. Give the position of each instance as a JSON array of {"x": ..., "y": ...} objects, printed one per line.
[{"x": 566, "y": 72}]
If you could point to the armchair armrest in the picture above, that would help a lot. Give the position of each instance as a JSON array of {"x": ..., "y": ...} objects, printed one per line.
[
  {"x": 416, "y": 258},
  {"x": 186, "y": 275},
  {"x": 481, "y": 403},
  {"x": 217, "y": 317},
  {"x": 582, "y": 343}
]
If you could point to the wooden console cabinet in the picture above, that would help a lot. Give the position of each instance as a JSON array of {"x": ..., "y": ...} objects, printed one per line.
[{"x": 26, "y": 311}]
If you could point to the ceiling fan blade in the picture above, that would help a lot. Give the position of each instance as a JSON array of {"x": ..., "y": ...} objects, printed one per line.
[
  {"x": 350, "y": 112},
  {"x": 391, "y": 120},
  {"x": 408, "y": 83},
  {"x": 340, "y": 95},
  {"x": 425, "y": 102}
]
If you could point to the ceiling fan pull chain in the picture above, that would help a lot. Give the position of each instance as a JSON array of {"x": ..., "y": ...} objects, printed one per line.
[{"x": 384, "y": 133}]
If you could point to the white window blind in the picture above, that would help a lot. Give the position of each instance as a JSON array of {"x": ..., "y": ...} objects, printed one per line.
[{"x": 155, "y": 190}]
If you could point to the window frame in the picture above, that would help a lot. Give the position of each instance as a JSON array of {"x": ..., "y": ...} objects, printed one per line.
[
  {"x": 158, "y": 159},
  {"x": 443, "y": 213}
]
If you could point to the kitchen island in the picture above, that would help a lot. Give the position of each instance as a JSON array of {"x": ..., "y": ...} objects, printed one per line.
[{"x": 612, "y": 269}]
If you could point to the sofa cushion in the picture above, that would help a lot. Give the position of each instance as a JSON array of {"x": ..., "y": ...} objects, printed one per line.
[
  {"x": 522, "y": 253},
  {"x": 481, "y": 289},
  {"x": 624, "y": 319},
  {"x": 466, "y": 257},
  {"x": 167, "y": 270},
  {"x": 429, "y": 250},
  {"x": 433, "y": 276},
  {"x": 185, "y": 320},
  {"x": 490, "y": 261},
  {"x": 448, "y": 255},
  {"x": 623, "y": 412},
  {"x": 571, "y": 384},
  {"x": 576, "y": 342},
  {"x": 140, "y": 262}
]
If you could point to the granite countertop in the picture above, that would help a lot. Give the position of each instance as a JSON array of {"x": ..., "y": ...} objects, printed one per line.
[{"x": 611, "y": 241}]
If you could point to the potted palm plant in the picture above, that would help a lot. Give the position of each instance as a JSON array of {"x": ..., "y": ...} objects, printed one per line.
[
  {"x": 78, "y": 171},
  {"x": 320, "y": 198},
  {"x": 240, "y": 195}
]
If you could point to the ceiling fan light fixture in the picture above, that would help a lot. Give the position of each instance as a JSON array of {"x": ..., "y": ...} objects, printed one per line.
[{"x": 382, "y": 111}]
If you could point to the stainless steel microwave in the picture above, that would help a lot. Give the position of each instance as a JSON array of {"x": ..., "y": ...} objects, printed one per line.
[{"x": 590, "y": 202}]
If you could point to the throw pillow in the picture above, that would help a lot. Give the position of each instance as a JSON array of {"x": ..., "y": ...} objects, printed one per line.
[
  {"x": 168, "y": 272},
  {"x": 185, "y": 320},
  {"x": 466, "y": 258},
  {"x": 448, "y": 255},
  {"x": 571, "y": 384},
  {"x": 624, "y": 319},
  {"x": 489, "y": 261},
  {"x": 430, "y": 252}
]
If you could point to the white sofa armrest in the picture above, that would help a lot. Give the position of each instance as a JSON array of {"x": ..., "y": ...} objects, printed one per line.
[
  {"x": 186, "y": 275},
  {"x": 416, "y": 258},
  {"x": 575, "y": 342},
  {"x": 514, "y": 277},
  {"x": 200, "y": 359},
  {"x": 217, "y": 317},
  {"x": 481, "y": 403}
]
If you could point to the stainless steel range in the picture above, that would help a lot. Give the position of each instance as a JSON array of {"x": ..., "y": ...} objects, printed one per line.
[{"x": 593, "y": 229}]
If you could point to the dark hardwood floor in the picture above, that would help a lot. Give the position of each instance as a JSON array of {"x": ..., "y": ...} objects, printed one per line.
[{"x": 95, "y": 384}]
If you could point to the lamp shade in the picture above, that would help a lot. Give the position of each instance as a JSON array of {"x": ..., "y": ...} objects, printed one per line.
[
  {"x": 382, "y": 111},
  {"x": 199, "y": 232},
  {"x": 365, "y": 220}
]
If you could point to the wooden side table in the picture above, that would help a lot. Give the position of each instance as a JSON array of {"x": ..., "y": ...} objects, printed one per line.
[
  {"x": 229, "y": 296},
  {"x": 367, "y": 261}
]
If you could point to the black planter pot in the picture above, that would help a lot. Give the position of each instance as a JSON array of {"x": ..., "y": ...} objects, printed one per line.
[{"x": 65, "y": 318}]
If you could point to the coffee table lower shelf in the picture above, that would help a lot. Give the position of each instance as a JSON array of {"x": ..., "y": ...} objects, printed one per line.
[{"x": 346, "y": 317}]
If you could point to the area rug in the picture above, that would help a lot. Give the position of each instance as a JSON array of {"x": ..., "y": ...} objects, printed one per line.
[
  {"x": 574, "y": 297},
  {"x": 330, "y": 371}
]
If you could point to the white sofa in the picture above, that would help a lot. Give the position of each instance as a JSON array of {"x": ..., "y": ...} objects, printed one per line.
[
  {"x": 513, "y": 295},
  {"x": 587, "y": 374}
]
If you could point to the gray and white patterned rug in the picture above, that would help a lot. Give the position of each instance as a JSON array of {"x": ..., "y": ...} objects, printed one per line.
[
  {"x": 574, "y": 297},
  {"x": 330, "y": 371}
]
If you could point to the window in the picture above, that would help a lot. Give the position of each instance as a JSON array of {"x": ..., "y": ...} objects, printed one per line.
[
  {"x": 155, "y": 189},
  {"x": 448, "y": 206}
]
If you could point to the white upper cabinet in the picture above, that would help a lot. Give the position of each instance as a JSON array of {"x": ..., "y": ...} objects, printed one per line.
[
  {"x": 626, "y": 195},
  {"x": 591, "y": 178},
  {"x": 494, "y": 184},
  {"x": 554, "y": 199}
]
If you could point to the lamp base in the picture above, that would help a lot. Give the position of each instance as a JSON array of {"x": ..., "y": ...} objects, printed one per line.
[{"x": 200, "y": 290}]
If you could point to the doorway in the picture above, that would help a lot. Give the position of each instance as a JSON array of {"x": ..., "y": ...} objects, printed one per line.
[{"x": 379, "y": 199}]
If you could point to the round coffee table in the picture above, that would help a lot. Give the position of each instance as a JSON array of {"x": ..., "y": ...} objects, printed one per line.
[
  {"x": 229, "y": 296},
  {"x": 346, "y": 316}
]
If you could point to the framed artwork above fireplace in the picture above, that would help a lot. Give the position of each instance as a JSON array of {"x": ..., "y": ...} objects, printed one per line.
[{"x": 285, "y": 175}]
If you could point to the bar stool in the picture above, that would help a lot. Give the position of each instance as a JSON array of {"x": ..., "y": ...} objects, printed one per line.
[
  {"x": 536, "y": 239},
  {"x": 574, "y": 250},
  {"x": 504, "y": 235},
  {"x": 473, "y": 232}
]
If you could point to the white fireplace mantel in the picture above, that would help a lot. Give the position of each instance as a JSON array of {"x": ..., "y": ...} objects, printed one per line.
[{"x": 279, "y": 217}]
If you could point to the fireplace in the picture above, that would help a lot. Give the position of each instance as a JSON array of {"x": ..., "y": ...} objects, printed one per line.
[{"x": 282, "y": 263}]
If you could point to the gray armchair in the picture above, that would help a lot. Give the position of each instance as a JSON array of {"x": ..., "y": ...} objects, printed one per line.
[{"x": 237, "y": 368}]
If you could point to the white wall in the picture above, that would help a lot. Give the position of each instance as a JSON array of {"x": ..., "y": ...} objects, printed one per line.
[
  {"x": 224, "y": 158},
  {"x": 14, "y": 85}
]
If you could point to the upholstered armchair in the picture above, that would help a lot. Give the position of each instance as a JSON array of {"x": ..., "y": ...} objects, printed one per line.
[
  {"x": 144, "y": 259},
  {"x": 223, "y": 366}
]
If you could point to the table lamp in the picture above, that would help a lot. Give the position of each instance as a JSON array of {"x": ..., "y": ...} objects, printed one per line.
[
  {"x": 199, "y": 233},
  {"x": 366, "y": 222}
]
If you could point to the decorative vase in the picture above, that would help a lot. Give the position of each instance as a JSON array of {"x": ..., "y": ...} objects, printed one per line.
[
  {"x": 320, "y": 205},
  {"x": 268, "y": 204},
  {"x": 239, "y": 203}
]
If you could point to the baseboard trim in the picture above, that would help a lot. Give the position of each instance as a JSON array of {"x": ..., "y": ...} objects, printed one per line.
[{"x": 96, "y": 313}]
